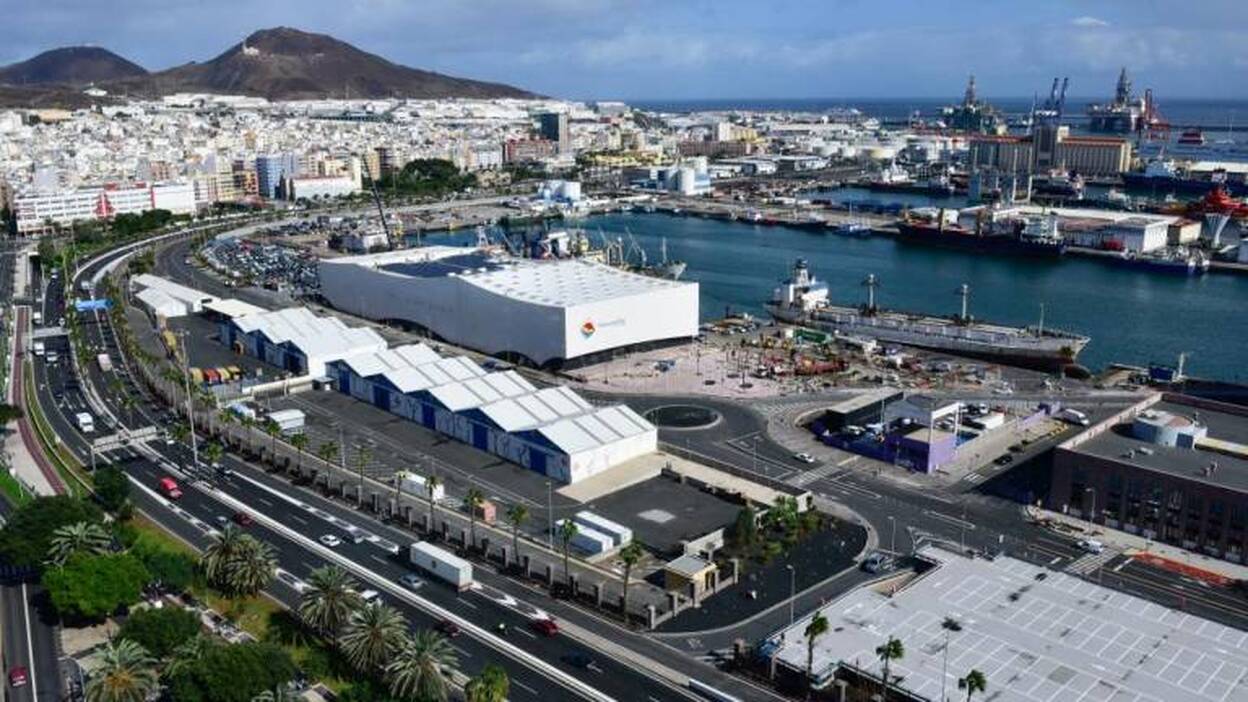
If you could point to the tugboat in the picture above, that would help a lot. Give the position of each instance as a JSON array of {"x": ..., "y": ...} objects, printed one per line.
[{"x": 801, "y": 300}]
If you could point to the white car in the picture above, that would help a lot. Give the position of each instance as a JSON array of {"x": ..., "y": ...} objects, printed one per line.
[
  {"x": 331, "y": 541},
  {"x": 804, "y": 457},
  {"x": 1091, "y": 545}
]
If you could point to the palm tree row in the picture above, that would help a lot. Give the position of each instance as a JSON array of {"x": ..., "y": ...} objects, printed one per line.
[
  {"x": 374, "y": 638},
  {"x": 82, "y": 537}
]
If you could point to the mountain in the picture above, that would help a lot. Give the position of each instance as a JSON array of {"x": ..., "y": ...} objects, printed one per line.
[
  {"x": 289, "y": 64},
  {"x": 75, "y": 66}
]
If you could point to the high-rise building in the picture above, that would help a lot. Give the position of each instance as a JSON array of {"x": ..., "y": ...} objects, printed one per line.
[
  {"x": 554, "y": 127},
  {"x": 272, "y": 169}
]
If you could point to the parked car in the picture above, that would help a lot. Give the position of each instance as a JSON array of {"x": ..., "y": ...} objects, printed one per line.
[
  {"x": 877, "y": 562},
  {"x": 804, "y": 457}
]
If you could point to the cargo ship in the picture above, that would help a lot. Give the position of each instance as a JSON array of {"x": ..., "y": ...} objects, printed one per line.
[
  {"x": 1161, "y": 174},
  {"x": 801, "y": 300},
  {"x": 1038, "y": 236}
]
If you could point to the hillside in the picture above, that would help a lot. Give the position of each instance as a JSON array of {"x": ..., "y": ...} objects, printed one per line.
[{"x": 73, "y": 66}]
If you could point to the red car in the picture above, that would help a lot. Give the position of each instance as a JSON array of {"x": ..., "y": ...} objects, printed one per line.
[
  {"x": 448, "y": 628},
  {"x": 170, "y": 488},
  {"x": 18, "y": 676},
  {"x": 545, "y": 627},
  {"x": 242, "y": 519}
]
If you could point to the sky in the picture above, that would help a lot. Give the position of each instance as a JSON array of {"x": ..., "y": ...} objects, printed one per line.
[{"x": 694, "y": 49}]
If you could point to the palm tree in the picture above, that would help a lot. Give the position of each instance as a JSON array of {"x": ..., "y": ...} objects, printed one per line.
[
  {"x": 252, "y": 568},
  {"x": 491, "y": 685},
  {"x": 75, "y": 538},
  {"x": 950, "y": 625},
  {"x": 472, "y": 502},
  {"x": 216, "y": 558},
  {"x": 213, "y": 453},
  {"x": 326, "y": 451},
  {"x": 630, "y": 555},
  {"x": 421, "y": 668},
  {"x": 225, "y": 418},
  {"x": 972, "y": 683},
  {"x": 300, "y": 442},
  {"x": 187, "y": 653},
  {"x": 271, "y": 428},
  {"x": 567, "y": 530},
  {"x": 889, "y": 651},
  {"x": 372, "y": 637},
  {"x": 127, "y": 673},
  {"x": 517, "y": 515},
  {"x": 329, "y": 600},
  {"x": 248, "y": 424},
  {"x": 817, "y": 627},
  {"x": 362, "y": 456},
  {"x": 432, "y": 483},
  {"x": 180, "y": 432}
]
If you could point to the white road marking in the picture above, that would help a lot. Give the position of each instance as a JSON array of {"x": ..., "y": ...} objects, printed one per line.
[{"x": 465, "y": 603}]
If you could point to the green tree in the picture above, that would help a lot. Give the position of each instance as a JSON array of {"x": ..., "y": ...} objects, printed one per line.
[
  {"x": 160, "y": 631},
  {"x": 817, "y": 627},
  {"x": 212, "y": 453},
  {"x": 422, "y": 667},
  {"x": 127, "y": 673},
  {"x": 517, "y": 515},
  {"x": 173, "y": 571},
  {"x": 216, "y": 559},
  {"x": 889, "y": 651},
  {"x": 80, "y": 537},
  {"x": 187, "y": 654},
  {"x": 744, "y": 532},
  {"x": 91, "y": 587},
  {"x": 631, "y": 556},
  {"x": 237, "y": 563},
  {"x": 326, "y": 451},
  {"x": 300, "y": 442},
  {"x": 491, "y": 685},
  {"x": 328, "y": 601},
  {"x": 26, "y": 538},
  {"x": 112, "y": 487},
  {"x": 472, "y": 502},
  {"x": 372, "y": 637},
  {"x": 567, "y": 531},
  {"x": 9, "y": 413},
  {"x": 972, "y": 683},
  {"x": 231, "y": 673}
]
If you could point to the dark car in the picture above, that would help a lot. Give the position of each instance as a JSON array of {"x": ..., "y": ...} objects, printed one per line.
[
  {"x": 1005, "y": 460},
  {"x": 578, "y": 659},
  {"x": 448, "y": 628},
  {"x": 243, "y": 519}
]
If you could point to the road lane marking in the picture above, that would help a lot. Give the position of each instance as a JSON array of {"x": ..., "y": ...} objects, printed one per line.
[
  {"x": 30, "y": 645},
  {"x": 465, "y": 603},
  {"x": 1122, "y": 565}
]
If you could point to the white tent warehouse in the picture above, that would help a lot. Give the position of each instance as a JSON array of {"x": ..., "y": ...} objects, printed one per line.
[
  {"x": 552, "y": 431},
  {"x": 548, "y": 312}
]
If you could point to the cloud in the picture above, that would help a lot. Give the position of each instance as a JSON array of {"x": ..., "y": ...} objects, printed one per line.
[{"x": 1089, "y": 21}]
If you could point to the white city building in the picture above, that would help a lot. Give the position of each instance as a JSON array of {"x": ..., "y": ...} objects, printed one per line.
[{"x": 35, "y": 209}]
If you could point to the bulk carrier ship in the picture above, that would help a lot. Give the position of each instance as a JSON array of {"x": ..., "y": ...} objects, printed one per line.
[{"x": 803, "y": 301}]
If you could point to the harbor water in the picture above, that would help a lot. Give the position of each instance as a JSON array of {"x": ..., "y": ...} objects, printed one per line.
[{"x": 1133, "y": 315}]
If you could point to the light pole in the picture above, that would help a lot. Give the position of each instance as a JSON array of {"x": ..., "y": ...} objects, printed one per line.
[
  {"x": 550, "y": 516},
  {"x": 1092, "y": 513},
  {"x": 190, "y": 406},
  {"x": 792, "y": 590},
  {"x": 892, "y": 546}
]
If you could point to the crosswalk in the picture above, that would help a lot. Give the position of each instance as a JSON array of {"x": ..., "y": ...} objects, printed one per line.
[
  {"x": 1090, "y": 562},
  {"x": 813, "y": 475}
]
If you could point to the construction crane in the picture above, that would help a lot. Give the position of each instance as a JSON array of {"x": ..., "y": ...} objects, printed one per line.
[{"x": 381, "y": 211}]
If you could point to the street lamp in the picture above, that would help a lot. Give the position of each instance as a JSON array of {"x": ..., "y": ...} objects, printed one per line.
[
  {"x": 792, "y": 590},
  {"x": 190, "y": 405},
  {"x": 550, "y": 516},
  {"x": 1092, "y": 513},
  {"x": 892, "y": 546}
]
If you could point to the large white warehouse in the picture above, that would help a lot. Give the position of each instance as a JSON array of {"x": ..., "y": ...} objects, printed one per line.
[{"x": 548, "y": 313}]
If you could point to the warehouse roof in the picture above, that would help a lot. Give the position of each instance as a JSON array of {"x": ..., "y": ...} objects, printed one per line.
[
  {"x": 431, "y": 375},
  {"x": 232, "y": 308},
  {"x": 314, "y": 336},
  {"x": 467, "y": 394},
  {"x": 172, "y": 289},
  {"x": 160, "y": 303},
  {"x": 599, "y": 428},
  {"x": 537, "y": 409},
  {"x": 393, "y": 359}
]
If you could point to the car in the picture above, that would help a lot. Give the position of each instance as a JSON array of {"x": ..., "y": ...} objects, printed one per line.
[
  {"x": 18, "y": 676},
  {"x": 243, "y": 519},
  {"x": 448, "y": 628},
  {"x": 330, "y": 540},
  {"x": 370, "y": 596},
  {"x": 222, "y": 521},
  {"x": 411, "y": 581},
  {"x": 877, "y": 562},
  {"x": 1005, "y": 460},
  {"x": 1091, "y": 545},
  {"x": 804, "y": 457},
  {"x": 545, "y": 626},
  {"x": 578, "y": 659}
]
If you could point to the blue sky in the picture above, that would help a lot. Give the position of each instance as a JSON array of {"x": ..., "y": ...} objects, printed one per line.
[{"x": 706, "y": 49}]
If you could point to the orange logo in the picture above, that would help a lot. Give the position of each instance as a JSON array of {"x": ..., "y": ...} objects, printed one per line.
[{"x": 588, "y": 329}]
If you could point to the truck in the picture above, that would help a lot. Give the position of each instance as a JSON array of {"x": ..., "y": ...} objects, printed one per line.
[
  {"x": 1073, "y": 416},
  {"x": 288, "y": 421},
  {"x": 37, "y": 318},
  {"x": 413, "y": 484},
  {"x": 106, "y": 363},
  {"x": 86, "y": 423},
  {"x": 39, "y": 348},
  {"x": 442, "y": 564}
]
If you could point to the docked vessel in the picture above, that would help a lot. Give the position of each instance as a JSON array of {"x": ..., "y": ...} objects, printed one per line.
[
  {"x": 802, "y": 300},
  {"x": 1059, "y": 183},
  {"x": 1037, "y": 236},
  {"x": 853, "y": 226},
  {"x": 1176, "y": 261},
  {"x": 1163, "y": 174}
]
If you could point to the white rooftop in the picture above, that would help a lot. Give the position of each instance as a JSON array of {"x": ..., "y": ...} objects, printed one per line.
[
  {"x": 594, "y": 429},
  {"x": 475, "y": 392},
  {"x": 542, "y": 407},
  {"x": 1058, "y": 638},
  {"x": 319, "y": 337}
]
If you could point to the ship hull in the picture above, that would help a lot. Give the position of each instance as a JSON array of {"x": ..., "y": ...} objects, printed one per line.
[
  {"x": 996, "y": 245},
  {"x": 1139, "y": 181},
  {"x": 1058, "y": 353}
]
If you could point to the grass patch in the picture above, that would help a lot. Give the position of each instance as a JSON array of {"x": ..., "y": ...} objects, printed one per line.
[{"x": 12, "y": 489}]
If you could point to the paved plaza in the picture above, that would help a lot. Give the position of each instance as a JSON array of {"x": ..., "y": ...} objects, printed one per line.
[{"x": 1037, "y": 635}]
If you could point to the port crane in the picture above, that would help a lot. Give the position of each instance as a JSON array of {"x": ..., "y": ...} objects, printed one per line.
[{"x": 381, "y": 211}]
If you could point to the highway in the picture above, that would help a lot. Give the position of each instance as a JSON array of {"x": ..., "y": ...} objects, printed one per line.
[{"x": 196, "y": 515}]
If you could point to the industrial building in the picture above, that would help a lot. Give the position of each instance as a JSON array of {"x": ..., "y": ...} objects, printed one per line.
[
  {"x": 1171, "y": 468},
  {"x": 165, "y": 298},
  {"x": 550, "y": 313},
  {"x": 36, "y": 210},
  {"x": 298, "y": 341},
  {"x": 1051, "y": 147}
]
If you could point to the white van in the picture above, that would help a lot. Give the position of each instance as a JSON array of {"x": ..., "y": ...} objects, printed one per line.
[
  {"x": 86, "y": 423},
  {"x": 39, "y": 348}
]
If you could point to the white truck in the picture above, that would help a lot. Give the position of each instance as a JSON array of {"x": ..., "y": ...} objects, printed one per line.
[
  {"x": 106, "y": 363},
  {"x": 86, "y": 423},
  {"x": 288, "y": 421},
  {"x": 413, "y": 484},
  {"x": 39, "y": 348},
  {"x": 442, "y": 564},
  {"x": 1073, "y": 416}
]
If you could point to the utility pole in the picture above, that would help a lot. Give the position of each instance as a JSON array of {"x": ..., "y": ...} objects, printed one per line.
[
  {"x": 190, "y": 405},
  {"x": 550, "y": 516}
]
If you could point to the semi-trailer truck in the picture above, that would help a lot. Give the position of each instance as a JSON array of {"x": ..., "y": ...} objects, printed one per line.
[{"x": 442, "y": 564}]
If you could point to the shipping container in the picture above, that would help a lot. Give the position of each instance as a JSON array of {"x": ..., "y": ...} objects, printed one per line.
[
  {"x": 587, "y": 540},
  {"x": 288, "y": 421},
  {"x": 413, "y": 484},
  {"x": 210, "y": 376},
  {"x": 442, "y": 565},
  {"x": 197, "y": 376},
  {"x": 619, "y": 533}
]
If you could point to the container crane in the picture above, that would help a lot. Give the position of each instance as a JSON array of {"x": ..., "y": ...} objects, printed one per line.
[{"x": 381, "y": 211}]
